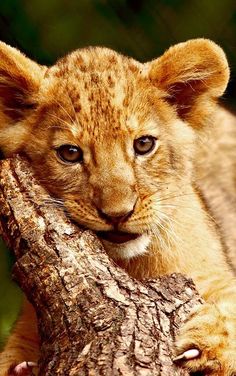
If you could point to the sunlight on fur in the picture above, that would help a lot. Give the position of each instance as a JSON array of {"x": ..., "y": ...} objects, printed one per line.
[{"x": 143, "y": 155}]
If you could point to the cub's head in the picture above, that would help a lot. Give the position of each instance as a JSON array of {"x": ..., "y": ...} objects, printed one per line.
[{"x": 113, "y": 140}]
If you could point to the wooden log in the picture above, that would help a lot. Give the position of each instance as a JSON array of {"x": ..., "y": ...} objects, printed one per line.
[{"x": 93, "y": 318}]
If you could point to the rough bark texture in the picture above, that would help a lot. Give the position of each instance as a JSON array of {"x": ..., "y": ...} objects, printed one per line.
[{"x": 93, "y": 318}]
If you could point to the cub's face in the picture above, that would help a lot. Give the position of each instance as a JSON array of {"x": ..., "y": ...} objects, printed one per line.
[{"x": 112, "y": 139}]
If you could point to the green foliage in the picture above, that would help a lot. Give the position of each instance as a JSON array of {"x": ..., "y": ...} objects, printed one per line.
[
  {"x": 141, "y": 28},
  {"x": 10, "y": 295}
]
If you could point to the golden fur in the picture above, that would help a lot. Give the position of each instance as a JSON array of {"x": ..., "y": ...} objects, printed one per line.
[{"x": 101, "y": 102}]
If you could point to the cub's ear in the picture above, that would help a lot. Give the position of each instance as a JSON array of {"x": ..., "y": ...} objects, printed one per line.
[
  {"x": 191, "y": 73},
  {"x": 20, "y": 79}
]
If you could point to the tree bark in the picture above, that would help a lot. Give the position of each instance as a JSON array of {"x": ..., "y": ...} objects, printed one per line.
[{"x": 93, "y": 318}]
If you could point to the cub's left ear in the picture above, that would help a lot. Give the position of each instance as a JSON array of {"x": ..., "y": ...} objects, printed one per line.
[
  {"x": 20, "y": 80},
  {"x": 191, "y": 72}
]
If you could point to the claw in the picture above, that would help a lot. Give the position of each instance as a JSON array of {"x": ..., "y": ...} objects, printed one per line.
[
  {"x": 187, "y": 355},
  {"x": 23, "y": 369}
]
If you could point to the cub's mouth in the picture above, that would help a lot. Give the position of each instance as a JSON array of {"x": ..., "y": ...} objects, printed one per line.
[{"x": 117, "y": 237}]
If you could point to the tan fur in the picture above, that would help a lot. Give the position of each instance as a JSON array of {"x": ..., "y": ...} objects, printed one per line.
[
  {"x": 23, "y": 342},
  {"x": 102, "y": 101}
]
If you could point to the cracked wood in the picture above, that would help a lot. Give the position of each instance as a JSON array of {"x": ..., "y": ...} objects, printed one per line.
[{"x": 93, "y": 318}]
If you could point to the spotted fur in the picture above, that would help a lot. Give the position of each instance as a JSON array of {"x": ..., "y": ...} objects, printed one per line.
[{"x": 101, "y": 102}]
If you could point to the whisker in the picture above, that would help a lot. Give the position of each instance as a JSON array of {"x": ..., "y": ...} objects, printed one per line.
[
  {"x": 53, "y": 126},
  {"x": 169, "y": 221},
  {"x": 73, "y": 108},
  {"x": 65, "y": 111},
  {"x": 168, "y": 197},
  {"x": 61, "y": 120},
  {"x": 191, "y": 209}
]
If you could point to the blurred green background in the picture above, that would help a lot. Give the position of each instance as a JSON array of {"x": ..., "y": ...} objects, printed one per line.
[{"x": 47, "y": 29}]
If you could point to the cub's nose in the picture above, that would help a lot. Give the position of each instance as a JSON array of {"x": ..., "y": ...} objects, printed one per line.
[
  {"x": 115, "y": 218},
  {"x": 116, "y": 203}
]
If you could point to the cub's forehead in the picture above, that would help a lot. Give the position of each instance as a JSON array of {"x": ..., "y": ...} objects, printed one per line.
[
  {"x": 98, "y": 91},
  {"x": 94, "y": 59},
  {"x": 93, "y": 69}
]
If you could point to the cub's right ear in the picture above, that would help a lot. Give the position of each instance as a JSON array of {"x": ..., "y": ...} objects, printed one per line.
[
  {"x": 193, "y": 75},
  {"x": 20, "y": 80}
]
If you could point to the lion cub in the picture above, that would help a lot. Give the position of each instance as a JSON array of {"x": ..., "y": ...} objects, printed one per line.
[{"x": 126, "y": 148}]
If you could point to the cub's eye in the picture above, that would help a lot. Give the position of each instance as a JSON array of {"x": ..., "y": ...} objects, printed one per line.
[
  {"x": 144, "y": 144},
  {"x": 70, "y": 153}
]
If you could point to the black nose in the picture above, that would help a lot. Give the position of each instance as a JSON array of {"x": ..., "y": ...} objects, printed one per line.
[{"x": 115, "y": 219}]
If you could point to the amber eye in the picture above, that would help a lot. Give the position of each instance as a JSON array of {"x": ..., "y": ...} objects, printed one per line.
[
  {"x": 144, "y": 145},
  {"x": 70, "y": 153}
]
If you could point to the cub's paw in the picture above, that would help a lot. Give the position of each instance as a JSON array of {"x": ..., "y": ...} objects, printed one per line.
[
  {"x": 207, "y": 341},
  {"x": 22, "y": 369}
]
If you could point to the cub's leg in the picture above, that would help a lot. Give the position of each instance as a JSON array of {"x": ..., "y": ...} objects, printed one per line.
[
  {"x": 211, "y": 329},
  {"x": 22, "y": 345}
]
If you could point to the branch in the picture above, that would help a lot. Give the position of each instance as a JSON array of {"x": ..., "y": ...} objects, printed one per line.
[{"x": 93, "y": 318}]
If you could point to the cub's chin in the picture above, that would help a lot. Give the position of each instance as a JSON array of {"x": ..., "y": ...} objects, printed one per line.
[{"x": 124, "y": 246}]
